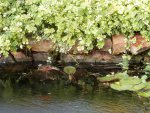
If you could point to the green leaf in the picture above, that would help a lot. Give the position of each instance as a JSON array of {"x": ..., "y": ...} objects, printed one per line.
[
  {"x": 69, "y": 69},
  {"x": 144, "y": 94},
  {"x": 82, "y": 20},
  {"x": 120, "y": 87},
  {"x": 130, "y": 81},
  {"x": 107, "y": 79},
  {"x": 138, "y": 87}
]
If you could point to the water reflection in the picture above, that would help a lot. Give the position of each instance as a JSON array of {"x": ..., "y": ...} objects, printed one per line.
[
  {"x": 52, "y": 98},
  {"x": 56, "y": 97}
]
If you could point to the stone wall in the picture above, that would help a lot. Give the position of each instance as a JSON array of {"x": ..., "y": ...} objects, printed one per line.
[{"x": 110, "y": 53}]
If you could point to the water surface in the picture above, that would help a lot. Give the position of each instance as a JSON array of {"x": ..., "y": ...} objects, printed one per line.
[{"x": 56, "y": 97}]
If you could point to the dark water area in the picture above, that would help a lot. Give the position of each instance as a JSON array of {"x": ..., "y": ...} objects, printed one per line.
[{"x": 55, "y": 96}]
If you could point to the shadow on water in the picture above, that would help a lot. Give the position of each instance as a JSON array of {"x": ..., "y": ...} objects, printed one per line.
[{"x": 55, "y": 96}]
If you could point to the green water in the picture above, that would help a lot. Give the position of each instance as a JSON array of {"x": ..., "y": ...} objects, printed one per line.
[
  {"x": 54, "y": 98},
  {"x": 57, "y": 97}
]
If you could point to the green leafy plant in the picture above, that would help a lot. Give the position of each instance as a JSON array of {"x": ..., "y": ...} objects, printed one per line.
[
  {"x": 69, "y": 70},
  {"x": 123, "y": 82},
  {"x": 147, "y": 68},
  {"x": 70, "y": 22},
  {"x": 113, "y": 77},
  {"x": 125, "y": 61}
]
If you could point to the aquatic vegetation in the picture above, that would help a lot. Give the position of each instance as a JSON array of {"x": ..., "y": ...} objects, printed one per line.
[
  {"x": 69, "y": 70},
  {"x": 125, "y": 61},
  {"x": 126, "y": 82},
  {"x": 7, "y": 88},
  {"x": 130, "y": 83},
  {"x": 113, "y": 77},
  {"x": 144, "y": 94},
  {"x": 145, "y": 91},
  {"x": 147, "y": 68},
  {"x": 119, "y": 87}
]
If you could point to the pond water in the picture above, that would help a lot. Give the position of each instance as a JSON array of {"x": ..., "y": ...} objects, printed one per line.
[{"x": 55, "y": 97}]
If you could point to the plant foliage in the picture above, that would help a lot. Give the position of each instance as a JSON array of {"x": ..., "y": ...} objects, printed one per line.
[
  {"x": 70, "y": 22},
  {"x": 124, "y": 82}
]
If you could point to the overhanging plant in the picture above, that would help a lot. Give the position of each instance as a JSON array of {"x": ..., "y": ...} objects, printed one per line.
[{"x": 66, "y": 22}]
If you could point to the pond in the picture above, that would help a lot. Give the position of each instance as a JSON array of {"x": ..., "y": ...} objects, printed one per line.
[{"x": 56, "y": 97}]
